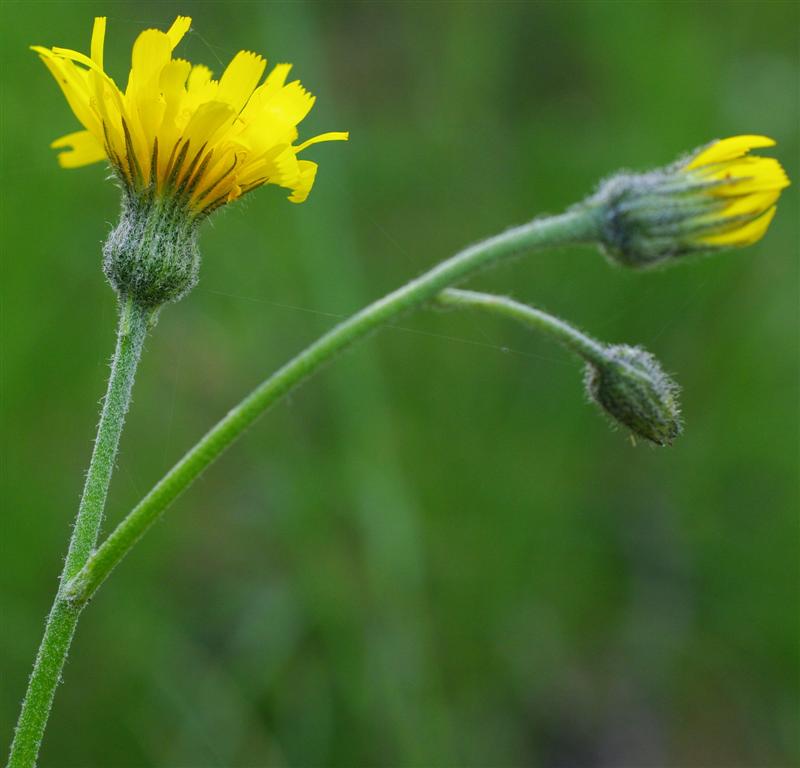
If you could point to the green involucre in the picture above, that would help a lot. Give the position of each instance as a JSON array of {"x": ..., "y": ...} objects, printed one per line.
[
  {"x": 633, "y": 389},
  {"x": 151, "y": 256}
]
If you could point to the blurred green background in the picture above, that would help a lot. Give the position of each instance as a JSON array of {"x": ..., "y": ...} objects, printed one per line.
[{"x": 436, "y": 553}]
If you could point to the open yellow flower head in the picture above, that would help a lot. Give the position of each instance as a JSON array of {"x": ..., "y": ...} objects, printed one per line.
[
  {"x": 182, "y": 145},
  {"x": 720, "y": 197},
  {"x": 176, "y": 132}
]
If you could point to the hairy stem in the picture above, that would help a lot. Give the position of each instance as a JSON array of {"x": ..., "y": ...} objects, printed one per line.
[
  {"x": 572, "y": 227},
  {"x": 591, "y": 350},
  {"x": 60, "y": 627}
]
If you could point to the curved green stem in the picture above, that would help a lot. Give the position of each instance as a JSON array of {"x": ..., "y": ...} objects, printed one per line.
[
  {"x": 61, "y": 622},
  {"x": 591, "y": 350},
  {"x": 575, "y": 226}
]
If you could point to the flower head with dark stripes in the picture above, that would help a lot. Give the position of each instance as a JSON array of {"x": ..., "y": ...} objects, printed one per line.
[
  {"x": 182, "y": 145},
  {"x": 177, "y": 132}
]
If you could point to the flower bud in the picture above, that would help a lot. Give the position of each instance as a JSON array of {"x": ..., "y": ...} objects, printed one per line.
[
  {"x": 151, "y": 255},
  {"x": 631, "y": 387},
  {"x": 718, "y": 197}
]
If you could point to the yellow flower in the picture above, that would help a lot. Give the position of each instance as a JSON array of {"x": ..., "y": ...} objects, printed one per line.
[
  {"x": 720, "y": 197},
  {"x": 175, "y": 132},
  {"x": 743, "y": 189}
]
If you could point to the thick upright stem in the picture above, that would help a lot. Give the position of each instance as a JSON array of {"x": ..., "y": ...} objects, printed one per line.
[
  {"x": 572, "y": 227},
  {"x": 61, "y": 622}
]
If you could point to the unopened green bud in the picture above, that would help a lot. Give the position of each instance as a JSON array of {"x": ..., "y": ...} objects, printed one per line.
[
  {"x": 151, "y": 255},
  {"x": 717, "y": 197},
  {"x": 632, "y": 388}
]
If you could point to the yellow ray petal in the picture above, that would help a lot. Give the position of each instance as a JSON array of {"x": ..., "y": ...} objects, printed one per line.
[
  {"x": 277, "y": 78},
  {"x": 750, "y": 205},
  {"x": 305, "y": 180},
  {"x": 98, "y": 39},
  {"x": 200, "y": 88},
  {"x": 285, "y": 169},
  {"x": 747, "y": 234},
  {"x": 274, "y": 81},
  {"x": 291, "y": 103},
  {"x": 206, "y": 122},
  {"x": 272, "y": 84},
  {"x": 218, "y": 175},
  {"x": 178, "y": 29},
  {"x": 330, "y": 136},
  {"x": 172, "y": 79},
  {"x": 81, "y": 58},
  {"x": 74, "y": 86},
  {"x": 171, "y": 82},
  {"x": 199, "y": 78},
  {"x": 108, "y": 104},
  {"x": 728, "y": 149},
  {"x": 240, "y": 79},
  {"x": 83, "y": 149},
  {"x": 748, "y": 174},
  {"x": 151, "y": 53}
]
